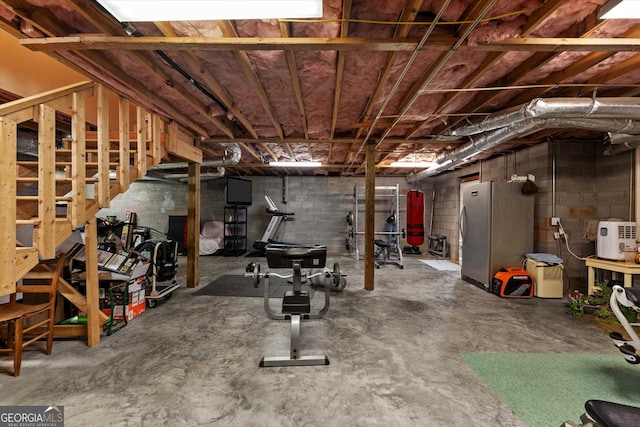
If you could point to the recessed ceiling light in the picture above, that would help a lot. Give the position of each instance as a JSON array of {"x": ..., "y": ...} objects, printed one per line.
[
  {"x": 620, "y": 9},
  {"x": 203, "y": 10},
  {"x": 295, "y": 164}
]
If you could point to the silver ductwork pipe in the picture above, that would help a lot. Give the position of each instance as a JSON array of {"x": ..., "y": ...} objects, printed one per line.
[
  {"x": 231, "y": 157},
  {"x": 622, "y": 138},
  {"x": 203, "y": 176},
  {"x": 620, "y": 142},
  {"x": 599, "y": 108},
  {"x": 619, "y": 115}
]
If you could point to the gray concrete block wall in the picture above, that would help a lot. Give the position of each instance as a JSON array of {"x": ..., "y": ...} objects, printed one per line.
[
  {"x": 152, "y": 201},
  {"x": 588, "y": 186},
  {"x": 320, "y": 204}
]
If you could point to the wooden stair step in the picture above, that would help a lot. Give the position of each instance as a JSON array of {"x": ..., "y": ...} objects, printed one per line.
[
  {"x": 36, "y": 198},
  {"x": 38, "y": 275}
]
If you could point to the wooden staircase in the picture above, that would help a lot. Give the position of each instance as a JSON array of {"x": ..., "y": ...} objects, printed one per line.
[{"x": 47, "y": 197}]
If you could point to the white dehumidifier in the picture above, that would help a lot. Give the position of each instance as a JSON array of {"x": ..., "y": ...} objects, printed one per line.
[{"x": 616, "y": 240}]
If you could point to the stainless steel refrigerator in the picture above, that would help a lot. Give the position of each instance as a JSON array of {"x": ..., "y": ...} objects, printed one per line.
[{"x": 496, "y": 225}]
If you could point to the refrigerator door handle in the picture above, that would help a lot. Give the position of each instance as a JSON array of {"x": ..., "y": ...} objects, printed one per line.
[{"x": 461, "y": 221}]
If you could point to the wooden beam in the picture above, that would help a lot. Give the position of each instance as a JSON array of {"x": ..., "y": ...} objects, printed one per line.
[
  {"x": 8, "y": 147},
  {"x": 42, "y": 98},
  {"x": 94, "y": 325},
  {"x": 45, "y": 235},
  {"x": 193, "y": 225},
  {"x": 227, "y": 43},
  {"x": 180, "y": 144},
  {"x": 141, "y": 141},
  {"x": 369, "y": 216},
  {"x": 102, "y": 101},
  {"x": 156, "y": 132},
  {"x": 78, "y": 156},
  {"x": 124, "y": 171}
]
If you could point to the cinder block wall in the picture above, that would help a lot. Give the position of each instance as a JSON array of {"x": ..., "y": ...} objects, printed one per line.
[
  {"x": 320, "y": 205},
  {"x": 575, "y": 183}
]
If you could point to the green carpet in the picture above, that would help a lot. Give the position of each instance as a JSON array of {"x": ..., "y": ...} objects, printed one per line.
[{"x": 545, "y": 390}]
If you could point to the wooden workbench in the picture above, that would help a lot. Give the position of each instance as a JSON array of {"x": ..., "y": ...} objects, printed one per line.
[{"x": 628, "y": 269}]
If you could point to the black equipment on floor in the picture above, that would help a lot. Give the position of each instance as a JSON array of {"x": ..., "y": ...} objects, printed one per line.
[
  {"x": 296, "y": 304},
  {"x": 163, "y": 256},
  {"x": 600, "y": 413}
]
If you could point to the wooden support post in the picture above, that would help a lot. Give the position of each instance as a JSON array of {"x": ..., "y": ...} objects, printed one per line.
[
  {"x": 141, "y": 142},
  {"x": 103, "y": 186},
  {"x": 155, "y": 138},
  {"x": 45, "y": 237},
  {"x": 8, "y": 147},
  {"x": 124, "y": 176},
  {"x": 78, "y": 156},
  {"x": 94, "y": 323},
  {"x": 193, "y": 225},
  {"x": 369, "y": 216}
]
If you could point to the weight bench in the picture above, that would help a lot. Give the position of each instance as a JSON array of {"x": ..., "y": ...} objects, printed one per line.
[
  {"x": 385, "y": 250},
  {"x": 296, "y": 304}
]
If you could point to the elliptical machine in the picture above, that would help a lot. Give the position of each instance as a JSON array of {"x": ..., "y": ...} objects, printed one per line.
[
  {"x": 296, "y": 304},
  {"x": 627, "y": 297}
]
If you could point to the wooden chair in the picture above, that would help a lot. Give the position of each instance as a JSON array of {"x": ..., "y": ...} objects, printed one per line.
[{"x": 43, "y": 279}]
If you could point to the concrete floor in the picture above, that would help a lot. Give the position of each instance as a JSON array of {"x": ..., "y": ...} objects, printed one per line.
[{"x": 193, "y": 360}]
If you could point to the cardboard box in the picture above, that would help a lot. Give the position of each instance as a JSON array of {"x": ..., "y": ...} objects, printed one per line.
[
  {"x": 548, "y": 279},
  {"x": 136, "y": 301}
]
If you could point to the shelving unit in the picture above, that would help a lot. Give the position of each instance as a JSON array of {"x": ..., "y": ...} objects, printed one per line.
[{"x": 235, "y": 225}]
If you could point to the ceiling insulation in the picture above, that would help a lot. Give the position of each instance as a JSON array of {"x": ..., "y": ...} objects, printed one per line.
[{"x": 399, "y": 74}]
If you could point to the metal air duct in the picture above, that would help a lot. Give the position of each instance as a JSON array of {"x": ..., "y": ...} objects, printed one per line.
[
  {"x": 232, "y": 157},
  {"x": 619, "y": 115}
]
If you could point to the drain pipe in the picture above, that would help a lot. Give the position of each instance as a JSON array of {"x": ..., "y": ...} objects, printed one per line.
[{"x": 608, "y": 114}]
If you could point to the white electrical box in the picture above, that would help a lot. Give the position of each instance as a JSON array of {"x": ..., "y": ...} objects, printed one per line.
[
  {"x": 548, "y": 278},
  {"x": 617, "y": 240}
]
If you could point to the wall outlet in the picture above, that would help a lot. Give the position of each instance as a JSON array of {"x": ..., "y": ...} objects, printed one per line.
[
  {"x": 555, "y": 221},
  {"x": 556, "y": 235}
]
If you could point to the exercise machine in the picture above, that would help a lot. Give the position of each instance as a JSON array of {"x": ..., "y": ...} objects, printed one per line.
[
  {"x": 296, "y": 303},
  {"x": 160, "y": 281},
  {"x": 271, "y": 233},
  {"x": 626, "y": 297},
  {"x": 600, "y": 413},
  {"x": 388, "y": 251}
]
